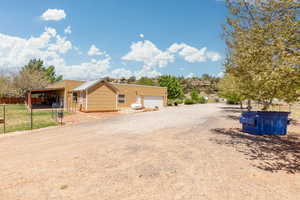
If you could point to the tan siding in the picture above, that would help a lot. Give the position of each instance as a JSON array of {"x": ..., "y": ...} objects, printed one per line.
[
  {"x": 132, "y": 91},
  {"x": 69, "y": 86},
  {"x": 101, "y": 98}
]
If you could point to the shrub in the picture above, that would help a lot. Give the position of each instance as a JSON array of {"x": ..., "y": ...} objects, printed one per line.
[
  {"x": 189, "y": 101},
  {"x": 202, "y": 100},
  {"x": 179, "y": 101},
  {"x": 170, "y": 102},
  {"x": 195, "y": 95},
  {"x": 232, "y": 101}
]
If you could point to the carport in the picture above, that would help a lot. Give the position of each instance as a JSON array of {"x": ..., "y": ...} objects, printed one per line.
[{"x": 45, "y": 98}]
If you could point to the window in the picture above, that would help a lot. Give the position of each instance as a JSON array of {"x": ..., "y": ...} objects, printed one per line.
[
  {"x": 121, "y": 98},
  {"x": 74, "y": 97}
]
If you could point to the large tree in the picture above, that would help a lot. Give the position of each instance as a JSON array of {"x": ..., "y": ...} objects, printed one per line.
[
  {"x": 175, "y": 90},
  {"x": 28, "y": 79},
  {"x": 228, "y": 88},
  {"x": 263, "y": 40},
  {"x": 38, "y": 65}
]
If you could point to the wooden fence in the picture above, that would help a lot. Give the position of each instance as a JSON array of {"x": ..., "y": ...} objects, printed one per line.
[{"x": 12, "y": 100}]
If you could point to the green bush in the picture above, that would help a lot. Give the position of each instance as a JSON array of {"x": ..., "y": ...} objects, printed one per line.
[
  {"x": 189, "y": 101},
  {"x": 232, "y": 101},
  {"x": 179, "y": 101},
  {"x": 170, "y": 102},
  {"x": 195, "y": 95},
  {"x": 201, "y": 100}
]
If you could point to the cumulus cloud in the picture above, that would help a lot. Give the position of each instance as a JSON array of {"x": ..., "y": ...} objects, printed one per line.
[
  {"x": 93, "y": 51},
  {"x": 93, "y": 69},
  {"x": 190, "y": 75},
  {"x": 62, "y": 45},
  {"x": 192, "y": 54},
  {"x": 142, "y": 35},
  {"x": 147, "y": 53},
  {"x": 220, "y": 74},
  {"x": 53, "y": 14},
  {"x": 68, "y": 30},
  {"x": 121, "y": 72},
  {"x": 15, "y": 52}
]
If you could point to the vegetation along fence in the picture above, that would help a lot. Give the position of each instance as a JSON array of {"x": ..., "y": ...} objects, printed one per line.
[
  {"x": 18, "y": 117},
  {"x": 12, "y": 100}
]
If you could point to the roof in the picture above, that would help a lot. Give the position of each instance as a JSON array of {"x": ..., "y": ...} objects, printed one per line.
[
  {"x": 86, "y": 85},
  {"x": 46, "y": 89},
  {"x": 64, "y": 83},
  {"x": 129, "y": 84},
  {"x": 90, "y": 84}
]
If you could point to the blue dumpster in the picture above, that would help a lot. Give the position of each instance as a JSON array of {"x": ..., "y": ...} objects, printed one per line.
[{"x": 265, "y": 123}]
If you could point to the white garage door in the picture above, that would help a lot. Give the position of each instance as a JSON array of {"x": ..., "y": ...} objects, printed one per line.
[{"x": 151, "y": 102}]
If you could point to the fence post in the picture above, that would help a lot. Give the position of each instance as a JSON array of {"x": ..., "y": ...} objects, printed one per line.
[
  {"x": 31, "y": 117},
  {"x": 4, "y": 110}
]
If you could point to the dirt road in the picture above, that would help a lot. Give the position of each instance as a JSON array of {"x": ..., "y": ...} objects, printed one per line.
[{"x": 190, "y": 152}]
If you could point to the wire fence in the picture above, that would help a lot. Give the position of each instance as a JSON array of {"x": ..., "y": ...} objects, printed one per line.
[
  {"x": 294, "y": 109},
  {"x": 19, "y": 117}
]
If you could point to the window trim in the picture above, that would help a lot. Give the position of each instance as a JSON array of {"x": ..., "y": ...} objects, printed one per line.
[{"x": 123, "y": 98}]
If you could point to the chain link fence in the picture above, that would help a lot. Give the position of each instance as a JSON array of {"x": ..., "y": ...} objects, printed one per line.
[{"x": 18, "y": 117}]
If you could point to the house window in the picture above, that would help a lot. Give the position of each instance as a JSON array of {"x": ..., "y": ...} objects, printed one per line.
[
  {"x": 121, "y": 98},
  {"x": 75, "y": 97}
]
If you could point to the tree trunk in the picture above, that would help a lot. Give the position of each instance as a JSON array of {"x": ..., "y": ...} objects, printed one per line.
[
  {"x": 249, "y": 105},
  {"x": 241, "y": 105},
  {"x": 267, "y": 105}
]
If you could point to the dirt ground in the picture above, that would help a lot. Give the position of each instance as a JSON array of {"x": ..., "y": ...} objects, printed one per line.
[{"x": 189, "y": 152}]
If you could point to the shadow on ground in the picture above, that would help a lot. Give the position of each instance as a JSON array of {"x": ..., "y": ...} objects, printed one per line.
[
  {"x": 273, "y": 153},
  {"x": 232, "y": 112}
]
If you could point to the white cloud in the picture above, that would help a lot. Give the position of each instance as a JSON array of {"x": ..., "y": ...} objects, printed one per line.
[
  {"x": 95, "y": 51},
  {"x": 220, "y": 74},
  {"x": 94, "y": 69},
  {"x": 192, "y": 54},
  {"x": 142, "y": 35},
  {"x": 54, "y": 14},
  {"x": 149, "y": 54},
  {"x": 146, "y": 72},
  {"x": 190, "y": 75},
  {"x": 62, "y": 45},
  {"x": 68, "y": 30},
  {"x": 121, "y": 72},
  {"x": 15, "y": 52},
  {"x": 78, "y": 50}
]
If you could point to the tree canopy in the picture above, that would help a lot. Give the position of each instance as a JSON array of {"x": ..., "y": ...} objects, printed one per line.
[
  {"x": 263, "y": 40},
  {"x": 38, "y": 65},
  {"x": 175, "y": 90}
]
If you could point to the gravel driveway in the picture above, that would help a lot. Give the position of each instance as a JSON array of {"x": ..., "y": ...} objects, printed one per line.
[{"x": 189, "y": 152}]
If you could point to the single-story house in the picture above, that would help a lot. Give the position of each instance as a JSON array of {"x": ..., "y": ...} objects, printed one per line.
[{"x": 97, "y": 96}]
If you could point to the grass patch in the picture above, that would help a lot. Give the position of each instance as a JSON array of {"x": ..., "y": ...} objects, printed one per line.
[{"x": 18, "y": 118}]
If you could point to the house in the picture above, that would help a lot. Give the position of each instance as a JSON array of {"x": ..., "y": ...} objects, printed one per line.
[{"x": 97, "y": 96}]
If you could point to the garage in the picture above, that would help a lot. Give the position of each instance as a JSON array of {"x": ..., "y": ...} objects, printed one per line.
[{"x": 153, "y": 101}]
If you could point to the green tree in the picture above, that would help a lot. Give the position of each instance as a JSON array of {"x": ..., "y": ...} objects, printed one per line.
[
  {"x": 52, "y": 77},
  {"x": 229, "y": 89},
  {"x": 30, "y": 78},
  {"x": 146, "y": 81},
  {"x": 195, "y": 95},
  {"x": 175, "y": 90},
  {"x": 132, "y": 79},
  {"x": 263, "y": 40},
  {"x": 38, "y": 65}
]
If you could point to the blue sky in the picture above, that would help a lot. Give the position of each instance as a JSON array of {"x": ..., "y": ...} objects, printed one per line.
[{"x": 115, "y": 38}]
